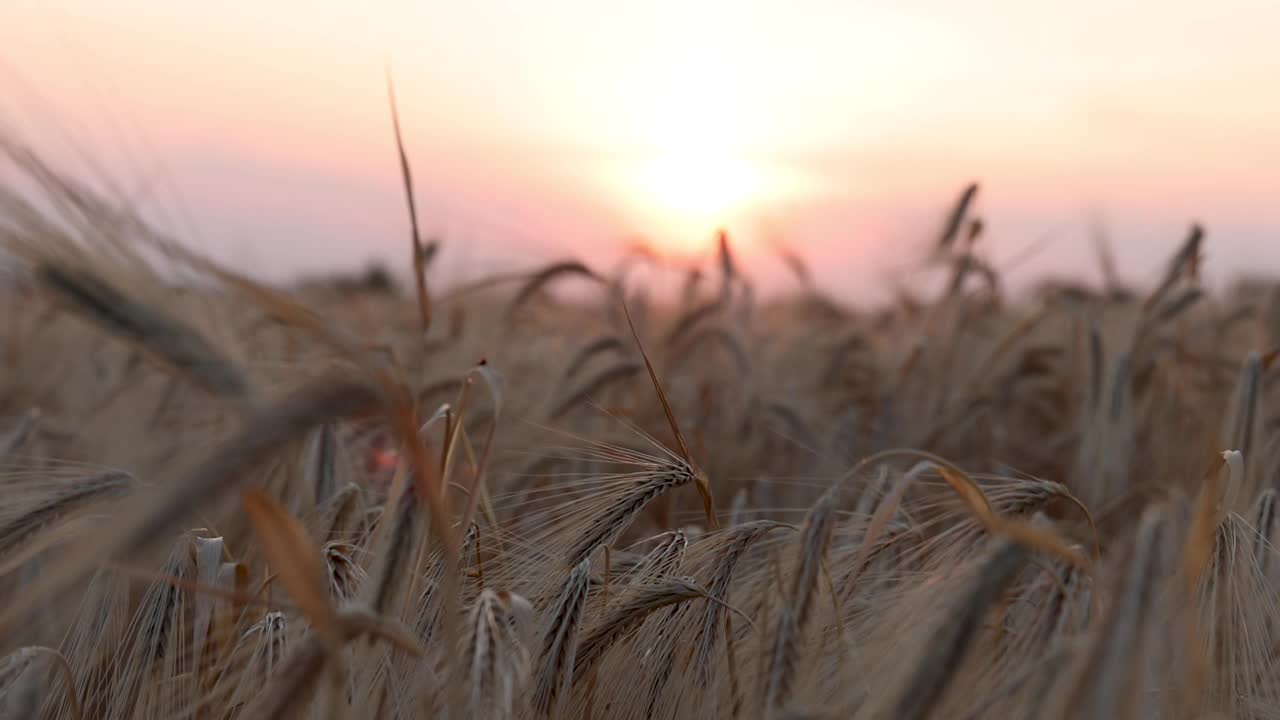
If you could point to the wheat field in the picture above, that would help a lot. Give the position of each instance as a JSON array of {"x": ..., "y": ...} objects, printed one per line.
[{"x": 223, "y": 499}]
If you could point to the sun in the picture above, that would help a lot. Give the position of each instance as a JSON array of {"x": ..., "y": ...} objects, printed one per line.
[
  {"x": 695, "y": 189},
  {"x": 693, "y": 150}
]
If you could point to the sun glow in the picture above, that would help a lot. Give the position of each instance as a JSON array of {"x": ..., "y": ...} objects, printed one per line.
[
  {"x": 697, "y": 187},
  {"x": 696, "y": 139},
  {"x": 684, "y": 197}
]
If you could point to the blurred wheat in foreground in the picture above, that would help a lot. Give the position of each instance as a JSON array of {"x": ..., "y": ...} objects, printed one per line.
[{"x": 226, "y": 500}]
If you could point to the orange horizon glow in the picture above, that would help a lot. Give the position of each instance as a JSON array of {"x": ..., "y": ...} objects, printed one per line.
[{"x": 844, "y": 129}]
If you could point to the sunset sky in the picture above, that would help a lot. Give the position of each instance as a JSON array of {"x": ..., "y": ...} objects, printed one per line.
[{"x": 540, "y": 130}]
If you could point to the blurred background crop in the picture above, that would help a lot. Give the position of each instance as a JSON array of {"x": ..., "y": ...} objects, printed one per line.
[{"x": 260, "y": 131}]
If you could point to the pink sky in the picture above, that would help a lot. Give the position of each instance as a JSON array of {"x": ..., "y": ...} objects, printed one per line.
[{"x": 550, "y": 129}]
